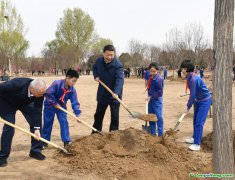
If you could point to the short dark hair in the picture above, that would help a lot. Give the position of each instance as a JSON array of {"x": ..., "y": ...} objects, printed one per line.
[
  {"x": 72, "y": 73},
  {"x": 109, "y": 47},
  {"x": 188, "y": 65},
  {"x": 153, "y": 64}
]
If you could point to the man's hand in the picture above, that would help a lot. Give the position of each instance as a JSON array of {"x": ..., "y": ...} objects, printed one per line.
[
  {"x": 57, "y": 106},
  {"x": 97, "y": 79},
  {"x": 148, "y": 99},
  {"x": 38, "y": 135},
  {"x": 115, "y": 96}
]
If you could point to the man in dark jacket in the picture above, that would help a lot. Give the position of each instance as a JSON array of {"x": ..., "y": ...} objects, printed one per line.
[
  {"x": 109, "y": 70},
  {"x": 25, "y": 95}
]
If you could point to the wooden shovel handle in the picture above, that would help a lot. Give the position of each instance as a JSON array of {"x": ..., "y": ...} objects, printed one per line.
[
  {"x": 119, "y": 100},
  {"x": 31, "y": 134},
  {"x": 71, "y": 114}
]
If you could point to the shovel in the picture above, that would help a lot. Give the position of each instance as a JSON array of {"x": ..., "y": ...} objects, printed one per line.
[
  {"x": 145, "y": 117},
  {"x": 33, "y": 135},
  {"x": 174, "y": 131},
  {"x": 145, "y": 127},
  {"x": 71, "y": 114}
]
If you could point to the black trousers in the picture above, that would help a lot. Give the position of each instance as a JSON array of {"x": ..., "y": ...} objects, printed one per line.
[
  {"x": 99, "y": 116},
  {"x": 8, "y": 132}
]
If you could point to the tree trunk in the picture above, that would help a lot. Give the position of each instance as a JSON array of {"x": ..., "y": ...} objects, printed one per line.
[{"x": 223, "y": 157}]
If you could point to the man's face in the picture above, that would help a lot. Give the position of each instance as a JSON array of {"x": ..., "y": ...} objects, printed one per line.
[
  {"x": 109, "y": 55},
  {"x": 38, "y": 93},
  {"x": 71, "y": 81},
  {"x": 153, "y": 71}
]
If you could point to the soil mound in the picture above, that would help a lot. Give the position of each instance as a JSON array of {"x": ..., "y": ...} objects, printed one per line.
[
  {"x": 131, "y": 154},
  {"x": 207, "y": 142}
]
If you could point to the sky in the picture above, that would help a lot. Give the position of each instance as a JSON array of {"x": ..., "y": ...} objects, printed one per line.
[{"x": 120, "y": 20}]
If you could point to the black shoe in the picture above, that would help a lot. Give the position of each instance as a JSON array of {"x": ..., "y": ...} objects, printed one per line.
[
  {"x": 44, "y": 145},
  {"x": 66, "y": 144},
  {"x": 3, "y": 162},
  {"x": 37, "y": 155}
]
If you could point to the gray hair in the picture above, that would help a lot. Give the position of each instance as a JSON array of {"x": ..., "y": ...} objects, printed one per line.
[{"x": 38, "y": 84}]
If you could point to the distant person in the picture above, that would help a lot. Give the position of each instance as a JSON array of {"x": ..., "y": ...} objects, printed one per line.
[
  {"x": 125, "y": 73},
  {"x": 201, "y": 98},
  {"x": 128, "y": 72},
  {"x": 57, "y": 96},
  {"x": 202, "y": 72},
  {"x": 165, "y": 73},
  {"x": 142, "y": 72},
  {"x": 109, "y": 70},
  {"x": 155, "y": 93},
  {"x": 179, "y": 73},
  {"x": 233, "y": 73},
  {"x": 33, "y": 72}
]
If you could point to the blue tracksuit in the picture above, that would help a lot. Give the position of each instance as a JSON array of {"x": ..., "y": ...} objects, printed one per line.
[
  {"x": 155, "y": 91},
  {"x": 58, "y": 94},
  {"x": 201, "y": 98},
  {"x": 146, "y": 75},
  {"x": 165, "y": 73}
]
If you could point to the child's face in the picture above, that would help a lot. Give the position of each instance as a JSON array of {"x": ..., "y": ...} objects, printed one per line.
[
  {"x": 153, "y": 71},
  {"x": 183, "y": 72},
  {"x": 71, "y": 81}
]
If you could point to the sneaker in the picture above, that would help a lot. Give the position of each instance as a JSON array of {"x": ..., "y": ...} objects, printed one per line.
[
  {"x": 37, "y": 155},
  {"x": 3, "y": 162},
  {"x": 44, "y": 146},
  {"x": 189, "y": 141},
  {"x": 194, "y": 147},
  {"x": 66, "y": 144}
]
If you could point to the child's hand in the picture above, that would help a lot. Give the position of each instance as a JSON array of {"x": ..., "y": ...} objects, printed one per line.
[
  {"x": 78, "y": 118},
  {"x": 148, "y": 99},
  {"x": 187, "y": 110},
  {"x": 57, "y": 106}
]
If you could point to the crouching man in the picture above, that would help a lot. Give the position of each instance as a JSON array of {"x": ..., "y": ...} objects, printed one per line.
[{"x": 25, "y": 95}]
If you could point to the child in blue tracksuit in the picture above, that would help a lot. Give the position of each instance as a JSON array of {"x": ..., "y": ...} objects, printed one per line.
[
  {"x": 201, "y": 98},
  {"x": 155, "y": 92},
  {"x": 57, "y": 96}
]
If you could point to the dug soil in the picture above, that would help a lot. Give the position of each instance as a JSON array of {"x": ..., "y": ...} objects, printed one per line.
[
  {"x": 131, "y": 154},
  {"x": 207, "y": 142}
]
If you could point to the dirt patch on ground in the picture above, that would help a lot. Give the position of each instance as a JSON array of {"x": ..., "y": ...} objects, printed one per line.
[
  {"x": 207, "y": 142},
  {"x": 131, "y": 154}
]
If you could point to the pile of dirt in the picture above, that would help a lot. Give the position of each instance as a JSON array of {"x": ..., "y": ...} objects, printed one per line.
[
  {"x": 207, "y": 142},
  {"x": 131, "y": 154}
]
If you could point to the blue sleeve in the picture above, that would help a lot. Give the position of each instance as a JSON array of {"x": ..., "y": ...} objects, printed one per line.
[
  {"x": 159, "y": 86},
  {"x": 146, "y": 76},
  {"x": 51, "y": 94},
  {"x": 192, "y": 88},
  {"x": 119, "y": 81},
  {"x": 75, "y": 104},
  {"x": 95, "y": 72}
]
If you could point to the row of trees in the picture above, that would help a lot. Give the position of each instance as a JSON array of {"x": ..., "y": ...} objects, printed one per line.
[
  {"x": 13, "y": 44},
  {"x": 191, "y": 43},
  {"x": 76, "y": 40}
]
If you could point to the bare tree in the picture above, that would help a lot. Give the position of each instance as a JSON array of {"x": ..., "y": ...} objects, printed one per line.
[{"x": 223, "y": 157}]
